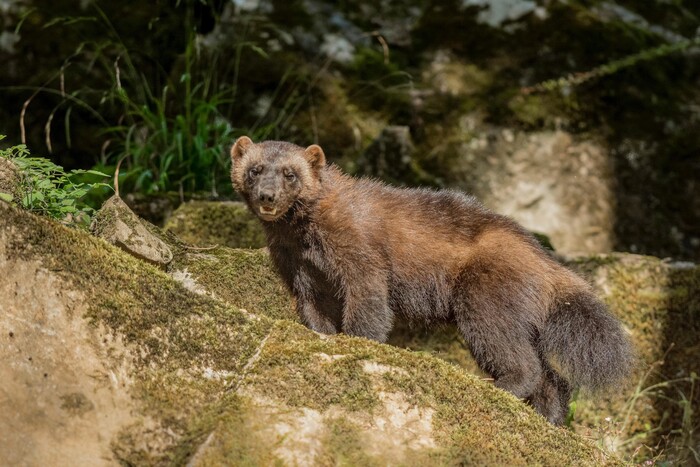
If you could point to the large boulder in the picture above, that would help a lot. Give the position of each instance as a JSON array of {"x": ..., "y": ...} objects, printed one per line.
[
  {"x": 110, "y": 360},
  {"x": 658, "y": 301}
]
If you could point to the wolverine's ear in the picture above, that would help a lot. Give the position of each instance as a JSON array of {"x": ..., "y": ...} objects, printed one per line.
[
  {"x": 315, "y": 156},
  {"x": 242, "y": 145}
]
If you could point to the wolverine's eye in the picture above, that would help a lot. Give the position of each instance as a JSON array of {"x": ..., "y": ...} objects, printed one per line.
[
  {"x": 290, "y": 176},
  {"x": 254, "y": 172}
]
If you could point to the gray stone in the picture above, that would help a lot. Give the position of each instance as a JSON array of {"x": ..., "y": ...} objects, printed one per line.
[{"x": 117, "y": 224}]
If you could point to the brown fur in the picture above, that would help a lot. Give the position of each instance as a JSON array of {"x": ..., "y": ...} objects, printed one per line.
[{"x": 357, "y": 254}]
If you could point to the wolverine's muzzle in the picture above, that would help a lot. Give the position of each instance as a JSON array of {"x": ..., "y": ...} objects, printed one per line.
[{"x": 267, "y": 202}]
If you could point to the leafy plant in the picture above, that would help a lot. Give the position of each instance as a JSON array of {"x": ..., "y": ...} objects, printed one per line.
[
  {"x": 175, "y": 137},
  {"x": 169, "y": 125},
  {"x": 47, "y": 189}
]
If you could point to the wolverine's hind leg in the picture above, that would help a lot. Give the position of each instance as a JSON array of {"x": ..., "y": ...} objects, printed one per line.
[
  {"x": 496, "y": 324},
  {"x": 551, "y": 398},
  {"x": 503, "y": 350}
]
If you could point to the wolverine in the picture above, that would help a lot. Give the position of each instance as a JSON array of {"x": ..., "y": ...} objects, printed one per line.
[{"x": 358, "y": 254}]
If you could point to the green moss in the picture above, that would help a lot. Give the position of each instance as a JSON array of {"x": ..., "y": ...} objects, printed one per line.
[
  {"x": 231, "y": 431},
  {"x": 473, "y": 421},
  {"x": 343, "y": 445},
  {"x": 659, "y": 303},
  {"x": 203, "y": 368},
  {"x": 538, "y": 110},
  {"x": 296, "y": 368},
  {"x": 245, "y": 278},
  {"x": 205, "y": 223}
]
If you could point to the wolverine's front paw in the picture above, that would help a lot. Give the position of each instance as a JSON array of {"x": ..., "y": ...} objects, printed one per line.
[{"x": 377, "y": 331}]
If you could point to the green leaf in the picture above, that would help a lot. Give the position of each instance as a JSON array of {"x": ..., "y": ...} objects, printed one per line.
[
  {"x": 96, "y": 172},
  {"x": 259, "y": 51},
  {"x": 44, "y": 184},
  {"x": 6, "y": 197},
  {"x": 77, "y": 194}
]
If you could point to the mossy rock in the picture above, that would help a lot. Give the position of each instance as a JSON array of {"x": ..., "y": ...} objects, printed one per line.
[
  {"x": 216, "y": 223},
  {"x": 157, "y": 374},
  {"x": 118, "y": 225},
  {"x": 244, "y": 278},
  {"x": 658, "y": 302}
]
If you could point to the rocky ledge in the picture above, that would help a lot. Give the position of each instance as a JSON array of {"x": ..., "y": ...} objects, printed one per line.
[{"x": 199, "y": 361}]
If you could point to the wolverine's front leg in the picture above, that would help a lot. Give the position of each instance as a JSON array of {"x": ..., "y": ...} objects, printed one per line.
[
  {"x": 312, "y": 318},
  {"x": 366, "y": 311},
  {"x": 318, "y": 309}
]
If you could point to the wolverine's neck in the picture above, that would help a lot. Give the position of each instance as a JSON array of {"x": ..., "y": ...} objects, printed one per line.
[{"x": 293, "y": 225}]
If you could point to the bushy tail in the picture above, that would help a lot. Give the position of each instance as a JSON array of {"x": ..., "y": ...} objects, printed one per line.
[{"x": 584, "y": 342}]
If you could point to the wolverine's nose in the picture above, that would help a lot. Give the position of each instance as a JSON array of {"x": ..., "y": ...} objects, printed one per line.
[{"x": 267, "y": 196}]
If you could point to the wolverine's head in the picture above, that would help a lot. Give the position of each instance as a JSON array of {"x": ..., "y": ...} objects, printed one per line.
[{"x": 273, "y": 175}]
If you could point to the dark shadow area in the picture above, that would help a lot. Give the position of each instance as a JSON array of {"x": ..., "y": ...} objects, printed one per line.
[
  {"x": 679, "y": 372},
  {"x": 442, "y": 341}
]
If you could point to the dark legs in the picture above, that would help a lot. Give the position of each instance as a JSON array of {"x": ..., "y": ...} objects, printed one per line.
[
  {"x": 505, "y": 349},
  {"x": 366, "y": 312},
  {"x": 551, "y": 398}
]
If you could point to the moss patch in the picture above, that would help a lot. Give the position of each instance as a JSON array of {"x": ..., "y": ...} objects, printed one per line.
[
  {"x": 245, "y": 278},
  {"x": 659, "y": 302},
  {"x": 207, "y": 223},
  {"x": 219, "y": 384},
  {"x": 324, "y": 400}
]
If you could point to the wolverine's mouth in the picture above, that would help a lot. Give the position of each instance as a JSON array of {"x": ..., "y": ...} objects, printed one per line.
[{"x": 267, "y": 211}]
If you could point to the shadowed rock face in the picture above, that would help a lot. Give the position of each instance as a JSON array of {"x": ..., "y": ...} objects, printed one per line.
[{"x": 183, "y": 376}]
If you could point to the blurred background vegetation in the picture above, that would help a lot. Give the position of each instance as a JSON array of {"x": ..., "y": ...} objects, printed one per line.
[{"x": 413, "y": 91}]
